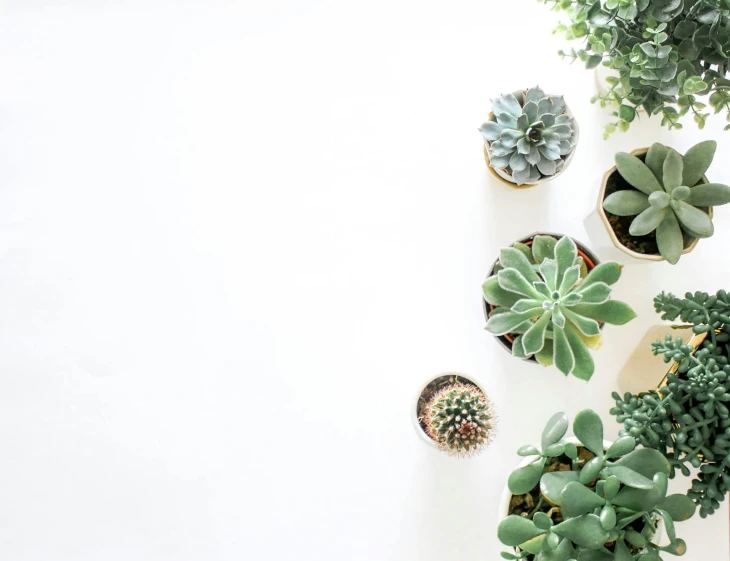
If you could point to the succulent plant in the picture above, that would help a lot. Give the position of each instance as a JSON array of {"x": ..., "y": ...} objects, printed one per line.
[
  {"x": 459, "y": 419},
  {"x": 669, "y": 195},
  {"x": 553, "y": 313},
  {"x": 667, "y": 53},
  {"x": 590, "y": 502},
  {"x": 688, "y": 420},
  {"x": 529, "y": 135}
]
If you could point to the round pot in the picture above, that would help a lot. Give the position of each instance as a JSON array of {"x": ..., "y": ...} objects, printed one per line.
[
  {"x": 591, "y": 261},
  {"x": 506, "y": 497},
  {"x": 601, "y": 232},
  {"x": 505, "y": 177},
  {"x": 424, "y": 396}
]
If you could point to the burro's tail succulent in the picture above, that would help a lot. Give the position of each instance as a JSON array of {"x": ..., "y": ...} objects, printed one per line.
[
  {"x": 668, "y": 196},
  {"x": 530, "y": 135},
  {"x": 543, "y": 302},
  {"x": 460, "y": 420},
  {"x": 590, "y": 501}
]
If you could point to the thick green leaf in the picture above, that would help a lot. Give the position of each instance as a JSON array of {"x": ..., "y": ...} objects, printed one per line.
[
  {"x": 621, "y": 552},
  {"x": 679, "y": 507},
  {"x": 503, "y": 323},
  {"x": 554, "y": 430},
  {"x": 514, "y": 281},
  {"x": 612, "y": 312},
  {"x": 562, "y": 355},
  {"x": 645, "y": 461},
  {"x": 518, "y": 350},
  {"x": 527, "y": 304},
  {"x": 621, "y": 447},
  {"x": 524, "y": 479},
  {"x": 668, "y": 524},
  {"x": 565, "y": 254},
  {"x": 638, "y": 500},
  {"x": 595, "y": 555},
  {"x": 564, "y": 552},
  {"x": 512, "y": 258},
  {"x": 543, "y": 247},
  {"x": 655, "y": 159},
  {"x": 629, "y": 477},
  {"x": 552, "y": 484},
  {"x": 570, "y": 277},
  {"x": 673, "y": 169},
  {"x": 633, "y": 170},
  {"x": 534, "y": 545},
  {"x": 709, "y": 194},
  {"x": 515, "y": 530},
  {"x": 496, "y": 295},
  {"x": 588, "y": 428},
  {"x": 626, "y": 203},
  {"x": 608, "y": 272},
  {"x": 585, "y": 531},
  {"x": 669, "y": 238},
  {"x": 584, "y": 366},
  {"x": 577, "y": 499},
  {"x": 696, "y": 161},
  {"x": 585, "y": 325},
  {"x": 693, "y": 218},
  {"x": 596, "y": 293},
  {"x": 525, "y": 249},
  {"x": 591, "y": 469},
  {"x": 545, "y": 356},
  {"x": 647, "y": 221},
  {"x": 608, "y": 517},
  {"x": 611, "y": 486},
  {"x": 534, "y": 338}
]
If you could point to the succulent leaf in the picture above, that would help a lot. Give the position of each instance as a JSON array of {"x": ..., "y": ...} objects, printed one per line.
[
  {"x": 515, "y": 530},
  {"x": 673, "y": 168},
  {"x": 709, "y": 194},
  {"x": 655, "y": 157},
  {"x": 626, "y": 202},
  {"x": 647, "y": 221},
  {"x": 636, "y": 173},
  {"x": 697, "y": 161},
  {"x": 669, "y": 238},
  {"x": 554, "y": 430},
  {"x": 693, "y": 218},
  {"x": 588, "y": 428}
]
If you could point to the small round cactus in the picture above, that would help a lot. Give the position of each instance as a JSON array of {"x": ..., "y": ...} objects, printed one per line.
[{"x": 459, "y": 419}]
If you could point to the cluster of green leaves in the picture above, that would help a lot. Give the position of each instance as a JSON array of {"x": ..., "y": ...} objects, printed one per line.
[
  {"x": 542, "y": 299},
  {"x": 688, "y": 420},
  {"x": 666, "y": 53},
  {"x": 598, "y": 501}
]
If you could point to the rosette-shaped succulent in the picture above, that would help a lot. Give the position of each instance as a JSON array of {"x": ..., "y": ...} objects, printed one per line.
[
  {"x": 459, "y": 419},
  {"x": 529, "y": 135},
  {"x": 668, "y": 196}
]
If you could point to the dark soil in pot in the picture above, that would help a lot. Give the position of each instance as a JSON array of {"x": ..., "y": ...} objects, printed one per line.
[{"x": 432, "y": 388}]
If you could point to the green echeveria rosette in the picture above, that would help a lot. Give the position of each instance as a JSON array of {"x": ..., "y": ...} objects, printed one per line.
[
  {"x": 530, "y": 135},
  {"x": 669, "y": 195}
]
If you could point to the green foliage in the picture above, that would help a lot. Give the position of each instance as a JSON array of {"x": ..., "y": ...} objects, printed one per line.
[
  {"x": 606, "y": 507},
  {"x": 667, "y": 53},
  {"x": 688, "y": 420},
  {"x": 668, "y": 195},
  {"x": 530, "y": 135},
  {"x": 544, "y": 298},
  {"x": 459, "y": 419}
]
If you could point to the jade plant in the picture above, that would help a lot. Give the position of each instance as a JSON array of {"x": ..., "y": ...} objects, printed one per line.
[
  {"x": 589, "y": 501},
  {"x": 543, "y": 298},
  {"x": 670, "y": 57},
  {"x": 669, "y": 195},
  {"x": 529, "y": 135},
  {"x": 688, "y": 420},
  {"x": 459, "y": 419}
]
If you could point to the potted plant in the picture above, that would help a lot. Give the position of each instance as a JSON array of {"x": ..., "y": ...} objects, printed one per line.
[
  {"x": 587, "y": 499},
  {"x": 546, "y": 300},
  {"x": 530, "y": 137},
  {"x": 452, "y": 413},
  {"x": 666, "y": 55},
  {"x": 687, "y": 418},
  {"x": 655, "y": 204}
]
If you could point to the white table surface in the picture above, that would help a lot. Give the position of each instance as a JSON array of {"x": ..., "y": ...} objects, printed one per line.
[{"x": 235, "y": 237}]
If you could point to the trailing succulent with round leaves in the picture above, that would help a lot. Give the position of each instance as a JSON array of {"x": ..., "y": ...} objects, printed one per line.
[
  {"x": 459, "y": 419},
  {"x": 540, "y": 298},
  {"x": 594, "y": 503},
  {"x": 666, "y": 53},
  {"x": 688, "y": 420},
  {"x": 669, "y": 195},
  {"x": 529, "y": 135}
]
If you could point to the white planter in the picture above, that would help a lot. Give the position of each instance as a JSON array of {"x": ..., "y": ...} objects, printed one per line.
[
  {"x": 414, "y": 404},
  {"x": 506, "y": 497}
]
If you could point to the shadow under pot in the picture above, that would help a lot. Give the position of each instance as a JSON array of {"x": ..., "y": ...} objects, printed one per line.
[
  {"x": 590, "y": 260},
  {"x": 609, "y": 233}
]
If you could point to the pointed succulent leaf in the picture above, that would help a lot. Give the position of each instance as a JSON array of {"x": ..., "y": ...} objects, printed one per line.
[
  {"x": 543, "y": 289},
  {"x": 645, "y": 461},
  {"x": 669, "y": 238},
  {"x": 549, "y": 272},
  {"x": 510, "y": 137},
  {"x": 523, "y": 146},
  {"x": 612, "y": 312},
  {"x": 534, "y": 546},
  {"x": 569, "y": 279},
  {"x": 500, "y": 162},
  {"x": 577, "y": 499},
  {"x": 534, "y": 95},
  {"x": 621, "y": 447},
  {"x": 552, "y": 484},
  {"x": 514, "y": 530},
  {"x": 655, "y": 159},
  {"x": 518, "y": 162},
  {"x": 595, "y": 293},
  {"x": 584, "y": 365},
  {"x": 679, "y": 507},
  {"x": 506, "y": 121},
  {"x": 647, "y": 221},
  {"x": 584, "y": 531},
  {"x": 496, "y": 295},
  {"x": 546, "y": 167},
  {"x": 588, "y": 428},
  {"x": 513, "y": 258},
  {"x": 524, "y": 479},
  {"x": 533, "y": 156},
  {"x": 530, "y": 109},
  {"x": 565, "y": 253},
  {"x": 693, "y": 218},
  {"x": 709, "y": 194},
  {"x": 490, "y": 131},
  {"x": 543, "y": 247},
  {"x": 514, "y": 281},
  {"x": 562, "y": 355},
  {"x": 585, "y": 325},
  {"x": 622, "y": 552},
  {"x": 545, "y": 356},
  {"x": 534, "y": 339},
  {"x": 633, "y": 170},
  {"x": 558, "y": 317},
  {"x": 627, "y": 202},
  {"x": 696, "y": 162},
  {"x": 608, "y": 272},
  {"x": 527, "y": 304},
  {"x": 507, "y": 103},
  {"x": 554, "y": 430},
  {"x": 594, "y": 555},
  {"x": 499, "y": 149},
  {"x": 571, "y": 299},
  {"x": 673, "y": 169},
  {"x": 629, "y": 477},
  {"x": 503, "y": 323}
]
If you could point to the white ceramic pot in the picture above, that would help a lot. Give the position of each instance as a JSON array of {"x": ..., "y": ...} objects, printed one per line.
[
  {"x": 506, "y": 497},
  {"x": 467, "y": 379}
]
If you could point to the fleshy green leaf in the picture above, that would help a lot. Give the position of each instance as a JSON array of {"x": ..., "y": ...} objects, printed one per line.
[
  {"x": 534, "y": 338},
  {"x": 585, "y": 325},
  {"x": 693, "y": 218},
  {"x": 515, "y": 530},
  {"x": 588, "y": 428},
  {"x": 496, "y": 295},
  {"x": 621, "y": 447},
  {"x": 512, "y": 258},
  {"x": 612, "y": 312},
  {"x": 514, "y": 281},
  {"x": 679, "y": 507},
  {"x": 608, "y": 272},
  {"x": 576, "y": 500},
  {"x": 629, "y": 477},
  {"x": 636, "y": 173},
  {"x": 669, "y": 238},
  {"x": 673, "y": 169},
  {"x": 565, "y": 254},
  {"x": 626, "y": 203},
  {"x": 654, "y": 160},
  {"x": 697, "y": 161},
  {"x": 645, "y": 461},
  {"x": 709, "y": 194},
  {"x": 543, "y": 247},
  {"x": 524, "y": 479},
  {"x": 585, "y": 531},
  {"x": 554, "y": 430},
  {"x": 562, "y": 355},
  {"x": 501, "y": 324},
  {"x": 552, "y": 484},
  {"x": 647, "y": 221}
]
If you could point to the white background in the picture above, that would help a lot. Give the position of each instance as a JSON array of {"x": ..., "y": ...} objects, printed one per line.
[{"x": 237, "y": 237}]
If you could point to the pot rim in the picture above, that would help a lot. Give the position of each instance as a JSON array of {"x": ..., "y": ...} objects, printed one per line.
[{"x": 612, "y": 235}]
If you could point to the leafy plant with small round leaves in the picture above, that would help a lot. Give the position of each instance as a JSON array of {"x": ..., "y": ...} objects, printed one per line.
[
  {"x": 553, "y": 313},
  {"x": 666, "y": 53},
  {"x": 530, "y": 135},
  {"x": 669, "y": 195},
  {"x": 604, "y": 507},
  {"x": 459, "y": 419},
  {"x": 688, "y": 419}
]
